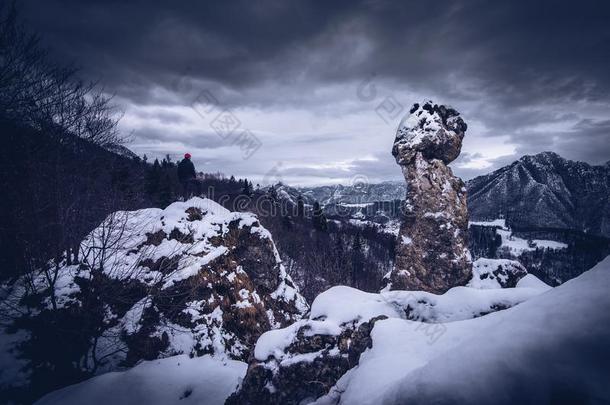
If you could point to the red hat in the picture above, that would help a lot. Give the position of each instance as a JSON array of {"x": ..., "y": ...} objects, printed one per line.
[{"x": 187, "y": 155}]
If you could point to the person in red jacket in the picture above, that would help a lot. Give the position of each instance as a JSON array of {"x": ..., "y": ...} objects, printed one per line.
[{"x": 186, "y": 175}]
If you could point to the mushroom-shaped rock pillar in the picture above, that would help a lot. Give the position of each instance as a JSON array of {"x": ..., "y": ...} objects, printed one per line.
[{"x": 432, "y": 251}]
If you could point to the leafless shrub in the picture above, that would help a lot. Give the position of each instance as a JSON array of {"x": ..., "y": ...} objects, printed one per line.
[{"x": 47, "y": 96}]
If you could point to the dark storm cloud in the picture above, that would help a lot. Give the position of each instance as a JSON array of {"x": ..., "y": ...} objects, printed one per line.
[
  {"x": 133, "y": 45},
  {"x": 587, "y": 140},
  {"x": 370, "y": 170},
  {"x": 534, "y": 72},
  {"x": 192, "y": 138},
  {"x": 469, "y": 173},
  {"x": 516, "y": 50},
  {"x": 163, "y": 117}
]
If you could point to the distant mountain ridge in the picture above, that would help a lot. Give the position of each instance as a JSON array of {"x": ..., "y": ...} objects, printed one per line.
[
  {"x": 536, "y": 191},
  {"x": 359, "y": 193},
  {"x": 545, "y": 191}
]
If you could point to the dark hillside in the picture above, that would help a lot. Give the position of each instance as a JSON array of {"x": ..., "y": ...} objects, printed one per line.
[{"x": 57, "y": 187}]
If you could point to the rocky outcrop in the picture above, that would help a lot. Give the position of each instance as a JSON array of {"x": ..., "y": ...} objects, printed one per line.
[
  {"x": 307, "y": 360},
  {"x": 304, "y": 361},
  {"x": 307, "y": 368},
  {"x": 496, "y": 273},
  {"x": 211, "y": 280},
  {"x": 193, "y": 278},
  {"x": 432, "y": 253}
]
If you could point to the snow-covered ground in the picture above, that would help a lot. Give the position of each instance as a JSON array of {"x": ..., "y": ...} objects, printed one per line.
[
  {"x": 496, "y": 222},
  {"x": 12, "y": 371},
  {"x": 552, "y": 348},
  {"x": 515, "y": 245},
  {"x": 355, "y": 205},
  {"x": 174, "y": 380},
  {"x": 391, "y": 227},
  {"x": 341, "y": 307}
]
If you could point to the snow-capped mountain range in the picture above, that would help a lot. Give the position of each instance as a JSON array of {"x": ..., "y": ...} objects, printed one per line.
[
  {"x": 360, "y": 193},
  {"x": 545, "y": 191},
  {"x": 536, "y": 191}
]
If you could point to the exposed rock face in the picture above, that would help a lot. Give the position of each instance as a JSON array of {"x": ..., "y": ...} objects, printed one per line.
[
  {"x": 432, "y": 253},
  {"x": 306, "y": 360},
  {"x": 191, "y": 279},
  {"x": 307, "y": 368},
  {"x": 213, "y": 278},
  {"x": 432, "y": 130}
]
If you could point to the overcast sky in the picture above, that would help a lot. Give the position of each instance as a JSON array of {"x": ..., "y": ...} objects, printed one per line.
[{"x": 312, "y": 92}]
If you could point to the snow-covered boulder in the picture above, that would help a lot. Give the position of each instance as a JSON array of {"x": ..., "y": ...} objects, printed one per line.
[
  {"x": 432, "y": 250},
  {"x": 551, "y": 349},
  {"x": 435, "y": 131},
  {"x": 193, "y": 278},
  {"x": 212, "y": 280},
  {"x": 303, "y": 361},
  {"x": 496, "y": 273}
]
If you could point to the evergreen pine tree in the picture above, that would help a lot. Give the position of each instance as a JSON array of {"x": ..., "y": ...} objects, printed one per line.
[
  {"x": 165, "y": 191},
  {"x": 152, "y": 180},
  {"x": 286, "y": 222},
  {"x": 357, "y": 261},
  {"x": 300, "y": 207},
  {"x": 339, "y": 260},
  {"x": 318, "y": 217},
  {"x": 247, "y": 189}
]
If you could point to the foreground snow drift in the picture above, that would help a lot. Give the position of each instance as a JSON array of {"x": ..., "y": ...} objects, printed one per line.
[
  {"x": 340, "y": 307},
  {"x": 551, "y": 349},
  {"x": 174, "y": 380},
  {"x": 361, "y": 348},
  {"x": 304, "y": 361}
]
